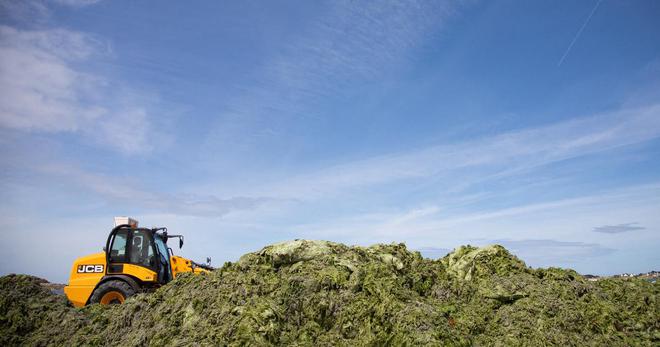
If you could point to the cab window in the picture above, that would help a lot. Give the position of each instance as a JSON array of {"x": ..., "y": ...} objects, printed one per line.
[{"x": 118, "y": 248}]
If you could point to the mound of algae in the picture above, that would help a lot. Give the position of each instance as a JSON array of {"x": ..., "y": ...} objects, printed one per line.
[{"x": 302, "y": 293}]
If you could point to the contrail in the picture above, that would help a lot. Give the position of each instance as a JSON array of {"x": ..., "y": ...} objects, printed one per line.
[{"x": 577, "y": 35}]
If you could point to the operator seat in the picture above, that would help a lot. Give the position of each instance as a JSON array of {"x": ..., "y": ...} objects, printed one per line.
[{"x": 137, "y": 251}]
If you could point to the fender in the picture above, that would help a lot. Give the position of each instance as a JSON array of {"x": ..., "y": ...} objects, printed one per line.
[{"x": 128, "y": 279}]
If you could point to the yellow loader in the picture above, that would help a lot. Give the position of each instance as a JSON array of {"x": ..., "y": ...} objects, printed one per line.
[{"x": 134, "y": 260}]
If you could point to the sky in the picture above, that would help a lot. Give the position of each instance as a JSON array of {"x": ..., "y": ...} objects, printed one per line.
[{"x": 531, "y": 124}]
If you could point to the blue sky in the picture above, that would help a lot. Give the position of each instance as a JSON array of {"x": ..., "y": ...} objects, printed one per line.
[{"x": 533, "y": 124}]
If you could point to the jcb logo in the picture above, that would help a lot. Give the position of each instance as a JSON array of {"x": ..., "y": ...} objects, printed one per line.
[{"x": 90, "y": 268}]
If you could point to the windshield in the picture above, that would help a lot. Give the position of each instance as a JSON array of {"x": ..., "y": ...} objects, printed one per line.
[{"x": 162, "y": 248}]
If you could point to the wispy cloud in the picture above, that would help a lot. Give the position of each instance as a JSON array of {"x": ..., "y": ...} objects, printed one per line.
[
  {"x": 466, "y": 163},
  {"x": 537, "y": 252},
  {"x": 619, "y": 228},
  {"x": 565, "y": 219},
  {"x": 41, "y": 91},
  {"x": 351, "y": 43},
  {"x": 552, "y": 251},
  {"x": 354, "y": 41},
  {"x": 45, "y": 89},
  {"x": 133, "y": 196},
  {"x": 76, "y": 3},
  {"x": 602, "y": 202},
  {"x": 28, "y": 11}
]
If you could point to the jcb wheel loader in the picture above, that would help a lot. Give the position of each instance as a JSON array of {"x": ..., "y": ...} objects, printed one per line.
[{"x": 133, "y": 260}]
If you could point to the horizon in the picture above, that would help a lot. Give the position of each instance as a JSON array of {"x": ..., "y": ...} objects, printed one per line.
[{"x": 534, "y": 125}]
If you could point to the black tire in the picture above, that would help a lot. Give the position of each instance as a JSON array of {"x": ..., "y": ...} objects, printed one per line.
[{"x": 111, "y": 288}]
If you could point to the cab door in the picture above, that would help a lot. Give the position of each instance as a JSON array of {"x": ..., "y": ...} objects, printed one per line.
[
  {"x": 165, "y": 269},
  {"x": 118, "y": 253},
  {"x": 142, "y": 251}
]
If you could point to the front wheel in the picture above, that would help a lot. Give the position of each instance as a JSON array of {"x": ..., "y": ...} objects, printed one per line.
[{"x": 112, "y": 292}]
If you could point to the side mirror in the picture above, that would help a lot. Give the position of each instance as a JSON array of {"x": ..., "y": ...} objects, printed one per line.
[{"x": 180, "y": 242}]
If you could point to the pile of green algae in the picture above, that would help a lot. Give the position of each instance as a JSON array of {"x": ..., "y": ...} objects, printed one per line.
[{"x": 302, "y": 293}]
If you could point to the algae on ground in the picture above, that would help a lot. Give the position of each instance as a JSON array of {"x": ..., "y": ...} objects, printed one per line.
[{"x": 321, "y": 293}]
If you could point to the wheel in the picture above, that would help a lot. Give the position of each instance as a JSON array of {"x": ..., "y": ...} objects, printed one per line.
[{"x": 112, "y": 292}]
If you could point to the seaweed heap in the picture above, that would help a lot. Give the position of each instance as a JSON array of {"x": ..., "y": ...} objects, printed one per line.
[{"x": 323, "y": 293}]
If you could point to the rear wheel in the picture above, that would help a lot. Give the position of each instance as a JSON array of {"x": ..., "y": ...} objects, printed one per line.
[{"x": 112, "y": 292}]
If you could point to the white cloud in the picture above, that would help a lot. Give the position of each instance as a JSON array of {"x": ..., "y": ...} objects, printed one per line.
[
  {"x": 568, "y": 220},
  {"x": 127, "y": 131},
  {"x": 132, "y": 196},
  {"x": 466, "y": 163},
  {"x": 545, "y": 252},
  {"x": 40, "y": 90},
  {"x": 537, "y": 252},
  {"x": 76, "y": 3},
  {"x": 604, "y": 200},
  {"x": 45, "y": 89}
]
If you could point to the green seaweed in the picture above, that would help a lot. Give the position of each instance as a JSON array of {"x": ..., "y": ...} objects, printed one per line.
[{"x": 302, "y": 293}]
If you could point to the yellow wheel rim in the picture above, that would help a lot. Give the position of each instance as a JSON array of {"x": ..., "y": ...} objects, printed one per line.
[{"x": 112, "y": 297}]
